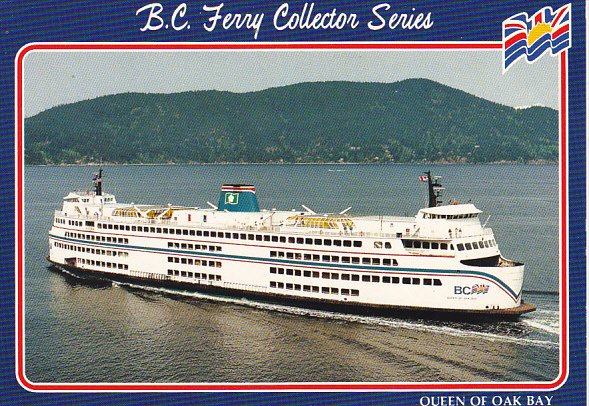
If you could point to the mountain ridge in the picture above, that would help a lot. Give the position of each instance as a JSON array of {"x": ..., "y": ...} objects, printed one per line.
[{"x": 414, "y": 120}]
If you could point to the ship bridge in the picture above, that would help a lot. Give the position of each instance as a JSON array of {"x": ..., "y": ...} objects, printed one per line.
[{"x": 458, "y": 220}]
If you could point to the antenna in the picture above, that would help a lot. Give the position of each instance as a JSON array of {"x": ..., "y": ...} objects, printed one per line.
[
  {"x": 345, "y": 211},
  {"x": 308, "y": 209},
  {"x": 97, "y": 180}
]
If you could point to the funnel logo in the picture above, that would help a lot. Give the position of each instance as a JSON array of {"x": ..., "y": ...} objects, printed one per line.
[
  {"x": 531, "y": 37},
  {"x": 231, "y": 198}
]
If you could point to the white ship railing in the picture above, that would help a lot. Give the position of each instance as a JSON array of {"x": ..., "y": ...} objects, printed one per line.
[{"x": 291, "y": 230}]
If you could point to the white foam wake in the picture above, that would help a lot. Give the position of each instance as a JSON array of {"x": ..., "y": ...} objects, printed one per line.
[{"x": 380, "y": 321}]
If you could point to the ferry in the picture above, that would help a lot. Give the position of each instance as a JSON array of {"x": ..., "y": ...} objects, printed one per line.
[{"x": 441, "y": 263}]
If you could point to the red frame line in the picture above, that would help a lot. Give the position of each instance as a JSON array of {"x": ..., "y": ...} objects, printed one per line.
[{"x": 310, "y": 386}]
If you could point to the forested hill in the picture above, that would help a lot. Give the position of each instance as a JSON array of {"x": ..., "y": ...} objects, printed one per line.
[{"x": 414, "y": 120}]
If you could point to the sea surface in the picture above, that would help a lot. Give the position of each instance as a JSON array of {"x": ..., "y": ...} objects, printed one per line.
[{"x": 82, "y": 331}]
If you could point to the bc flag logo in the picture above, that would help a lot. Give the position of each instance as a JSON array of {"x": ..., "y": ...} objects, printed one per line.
[{"x": 531, "y": 37}]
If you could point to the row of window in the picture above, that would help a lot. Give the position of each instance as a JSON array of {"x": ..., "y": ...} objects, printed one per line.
[
  {"x": 475, "y": 245},
  {"x": 356, "y": 277},
  {"x": 89, "y": 250},
  {"x": 92, "y": 237},
  {"x": 334, "y": 258},
  {"x": 197, "y": 262},
  {"x": 427, "y": 245},
  {"x": 235, "y": 236},
  {"x": 195, "y": 275},
  {"x": 449, "y": 216},
  {"x": 201, "y": 247},
  {"x": 103, "y": 264},
  {"x": 315, "y": 289}
]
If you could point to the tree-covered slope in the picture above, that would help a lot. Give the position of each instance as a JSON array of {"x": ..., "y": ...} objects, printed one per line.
[{"x": 409, "y": 121}]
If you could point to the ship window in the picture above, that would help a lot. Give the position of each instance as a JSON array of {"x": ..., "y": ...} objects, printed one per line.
[
  {"x": 345, "y": 292},
  {"x": 297, "y": 255},
  {"x": 355, "y": 260},
  {"x": 444, "y": 246},
  {"x": 291, "y": 240},
  {"x": 386, "y": 279},
  {"x": 250, "y": 237},
  {"x": 170, "y": 259},
  {"x": 325, "y": 275},
  {"x": 326, "y": 242},
  {"x": 334, "y": 258},
  {"x": 468, "y": 246},
  {"x": 258, "y": 237},
  {"x": 345, "y": 277},
  {"x": 308, "y": 241},
  {"x": 315, "y": 274},
  {"x": 388, "y": 245},
  {"x": 426, "y": 244},
  {"x": 395, "y": 279},
  {"x": 437, "y": 282},
  {"x": 289, "y": 286},
  {"x": 315, "y": 257},
  {"x": 289, "y": 255},
  {"x": 242, "y": 236},
  {"x": 297, "y": 286},
  {"x": 365, "y": 278},
  {"x": 346, "y": 260},
  {"x": 307, "y": 274},
  {"x": 347, "y": 243},
  {"x": 375, "y": 261},
  {"x": 297, "y": 272},
  {"x": 486, "y": 244},
  {"x": 235, "y": 236},
  {"x": 272, "y": 254},
  {"x": 307, "y": 257},
  {"x": 272, "y": 269},
  {"x": 306, "y": 288},
  {"x": 377, "y": 244},
  {"x": 375, "y": 278},
  {"x": 355, "y": 277},
  {"x": 300, "y": 240},
  {"x": 416, "y": 244},
  {"x": 416, "y": 281},
  {"x": 272, "y": 284},
  {"x": 334, "y": 291},
  {"x": 325, "y": 258},
  {"x": 460, "y": 247},
  {"x": 281, "y": 271},
  {"x": 289, "y": 272},
  {"x": 280, "y": 254},
  {"x": 358, "y": 244},
  {"x": 282, "y": 239},
  {"x": 334, "y": 276},
  {"x": 274, "y": 238},
  {"x": 427, "y": 281},
  {"x": 406, "y": 281},
  {"x": 386, "y": 261},
  {"x": 337, "y": 243},
  {"x": 355, "y": 292},
  {"x": 435, "y": 245},
  {"x": 366, "y": 261}
]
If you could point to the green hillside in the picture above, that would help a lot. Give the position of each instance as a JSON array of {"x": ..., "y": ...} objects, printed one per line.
[{"x": 413, "y": 120}]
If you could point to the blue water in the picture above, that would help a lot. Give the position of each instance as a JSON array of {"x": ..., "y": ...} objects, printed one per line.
[{"x": 78, "y": 331}]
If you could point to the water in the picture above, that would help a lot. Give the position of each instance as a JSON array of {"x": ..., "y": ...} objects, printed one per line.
[{"x": 82, "y": 331}]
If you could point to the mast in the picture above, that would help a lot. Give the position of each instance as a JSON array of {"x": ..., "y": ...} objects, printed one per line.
[
  {"x": 434, "y": 188},
  {"x": 97, "y": 180}
]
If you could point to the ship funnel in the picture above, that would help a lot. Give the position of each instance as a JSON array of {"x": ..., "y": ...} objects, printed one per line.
[{"x": 240, "y": 198}]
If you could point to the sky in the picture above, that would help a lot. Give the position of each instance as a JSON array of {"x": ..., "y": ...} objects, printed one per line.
[{"x": 54, "y": 78}]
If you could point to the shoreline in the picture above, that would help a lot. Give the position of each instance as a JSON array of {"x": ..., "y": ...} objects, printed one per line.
[{"x": 442, "y": 163}]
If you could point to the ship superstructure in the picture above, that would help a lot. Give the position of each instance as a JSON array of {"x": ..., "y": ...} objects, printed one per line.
[{"x": 441, "y": 262}]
